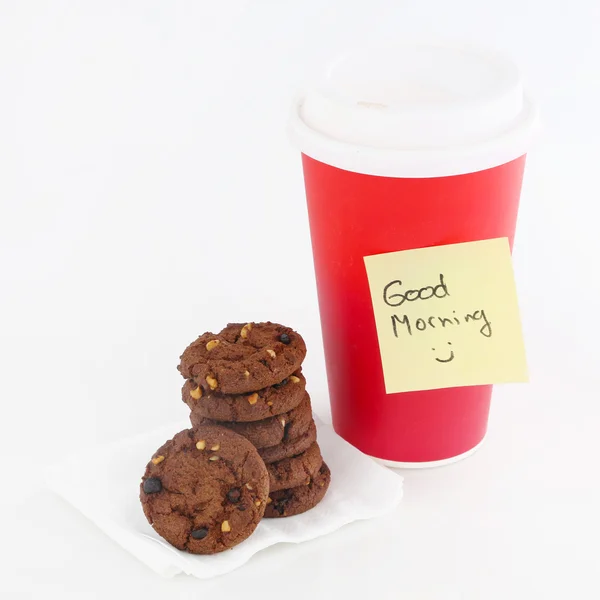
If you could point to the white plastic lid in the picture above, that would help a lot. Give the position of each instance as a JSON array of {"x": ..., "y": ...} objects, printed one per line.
[{"x": 415, "y": 111}]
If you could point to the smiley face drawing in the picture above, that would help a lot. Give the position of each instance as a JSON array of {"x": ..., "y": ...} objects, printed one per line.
[{"x": 446, "y": 360}]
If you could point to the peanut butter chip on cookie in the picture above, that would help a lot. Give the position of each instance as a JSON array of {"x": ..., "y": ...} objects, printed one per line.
[
  {"x": 253, "y": 398},
  {"x": 212, "y": 382},
  {"x": 246, "y": 330},
  {"x": 212, "y": 344},
  {"x": 225, "y": 527},
  {"x": 196, "y": 393},
  {"x": 271, "y": 353},
  {"x": 157, "y": 460}
]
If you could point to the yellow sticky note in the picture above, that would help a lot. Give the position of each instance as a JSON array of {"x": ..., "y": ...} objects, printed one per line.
[{"x": 447, "y": 316}]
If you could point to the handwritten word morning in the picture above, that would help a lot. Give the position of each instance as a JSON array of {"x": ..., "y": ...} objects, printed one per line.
[{"x": 394, "y": 295}]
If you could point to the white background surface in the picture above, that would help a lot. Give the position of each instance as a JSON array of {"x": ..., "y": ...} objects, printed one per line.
[{"x": 148, "y": 193}]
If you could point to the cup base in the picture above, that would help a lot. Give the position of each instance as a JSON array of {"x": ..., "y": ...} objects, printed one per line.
[{"x": 429, "y": 464}]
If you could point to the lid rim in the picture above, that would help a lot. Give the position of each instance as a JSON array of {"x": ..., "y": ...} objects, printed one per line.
[{"x": 416, "y": 163}]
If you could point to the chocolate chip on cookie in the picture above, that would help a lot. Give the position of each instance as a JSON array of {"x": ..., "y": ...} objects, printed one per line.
[
  {"x": 152, "y": 485},
  {"x": 192, "y": 497},
  {"x": 248, "y": 357},
  {"x": 234, "y": 495},
  {"x": 298, "y": 420},
  {"x": 294, "y": 501},
  {"x": 265, "y": 403},
  {"x": 199, "y": 534}
]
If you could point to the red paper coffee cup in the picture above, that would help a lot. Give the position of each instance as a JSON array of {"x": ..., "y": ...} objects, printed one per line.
[{"x": 403, "y": 148}]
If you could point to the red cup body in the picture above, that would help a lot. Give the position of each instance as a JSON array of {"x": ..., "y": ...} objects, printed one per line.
[{"x": 353, "y": 215}]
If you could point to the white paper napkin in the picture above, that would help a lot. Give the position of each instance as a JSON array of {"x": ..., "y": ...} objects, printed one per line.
[{"x": 104, "y": 485}]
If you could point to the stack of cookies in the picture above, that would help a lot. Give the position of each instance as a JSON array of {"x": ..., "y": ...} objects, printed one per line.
[
  {"x": 248, "y": 379},
  {"x": 252, "y": 451}
]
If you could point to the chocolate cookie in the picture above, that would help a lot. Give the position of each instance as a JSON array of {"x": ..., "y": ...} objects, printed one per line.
[
  {"x": 261, "y": 434},
  {"x": 205, "y": 490},
  {"x": 268, "y": 432},
  {"x": 294, "y": 501},
  {"x": 289, "y": 448},
  {"x": 295, "y": 471},
  {"x": 243, "y": 357},
  {"x": 265, "y": 403}
]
